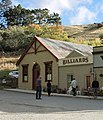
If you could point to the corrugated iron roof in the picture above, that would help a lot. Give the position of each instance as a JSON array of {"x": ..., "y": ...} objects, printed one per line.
[{"x": 61, "y": 49}]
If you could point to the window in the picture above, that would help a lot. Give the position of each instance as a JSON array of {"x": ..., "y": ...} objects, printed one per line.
[
  {"x": 25, "y": 72},
  {"x": 48, "y": 71}
]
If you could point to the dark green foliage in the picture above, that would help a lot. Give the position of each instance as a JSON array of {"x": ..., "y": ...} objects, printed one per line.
[
  {"x": 5, "y": 5},
  {"x": 16, "y": 21},
  {"x": 54, "y": 19},
  {"x": 15, "y": 38},
  {"x": 23, "y": 17},
  {"x": 40, "y": 15},
  {"x": 18, "y": 16}
]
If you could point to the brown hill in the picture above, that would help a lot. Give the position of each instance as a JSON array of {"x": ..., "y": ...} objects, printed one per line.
[
  {"x": 84, "y": 32},
  {"x": 8, "y": 63}
]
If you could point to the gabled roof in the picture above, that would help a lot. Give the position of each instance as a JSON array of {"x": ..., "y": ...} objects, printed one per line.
[
  {"x": 75, "y": 53},
  {"x": 61, "y": 49}
]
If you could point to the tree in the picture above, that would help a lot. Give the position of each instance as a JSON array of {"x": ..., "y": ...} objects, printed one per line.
[
  {"x": 4, "y": 6},
  {"x": 23, "y": 17},
  {"x": 18, "y": 16},
  {"x": 1, "y": 39},
  {"x": 54, "y": 19},
  {"x": 40, "y": 15},
  {"x": 15, "y": 38},
  {"x": 47, "y": 31}
]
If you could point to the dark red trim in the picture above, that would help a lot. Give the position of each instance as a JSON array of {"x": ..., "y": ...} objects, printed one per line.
[
  {"x": 22, "y": 56},
  {"x": 46, "y": 48}
]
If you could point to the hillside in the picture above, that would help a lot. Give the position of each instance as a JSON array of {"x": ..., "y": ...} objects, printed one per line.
[
  {"x": 84, "y": 32},
  {"x": 8, "y": 61}
]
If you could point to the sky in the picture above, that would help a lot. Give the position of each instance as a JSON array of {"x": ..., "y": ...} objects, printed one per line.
[{"x": 72, "y": 12}]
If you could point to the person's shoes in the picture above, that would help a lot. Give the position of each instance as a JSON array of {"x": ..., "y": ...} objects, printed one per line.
[{"x": 38, "y": 98}]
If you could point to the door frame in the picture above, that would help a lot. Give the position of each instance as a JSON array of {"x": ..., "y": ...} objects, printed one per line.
[{"x": 35, "y": 74}]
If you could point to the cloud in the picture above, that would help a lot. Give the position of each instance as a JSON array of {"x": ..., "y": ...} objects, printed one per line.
[
  {"x": 82, "y": 16},
  {"x": 57, "y": 6},
  {"x": 75, "y": 11}
]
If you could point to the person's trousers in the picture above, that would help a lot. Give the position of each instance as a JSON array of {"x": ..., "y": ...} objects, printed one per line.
[
  {"x": 49, "y": 91},
  {"x": 74, "y": 91},
  {"x": 38, "y": 93}
]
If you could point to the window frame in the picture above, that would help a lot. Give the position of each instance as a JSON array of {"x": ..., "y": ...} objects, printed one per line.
[
  {"x": 48, "y": 74},
  {"x": 25, "y": 72}
]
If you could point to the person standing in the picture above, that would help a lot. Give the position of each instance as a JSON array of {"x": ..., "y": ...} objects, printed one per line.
[
  {"x": 95, "y": 86},
  {"x": 74, "y": 84},
  {"x": 49, "y": 87},
  {"x": 38, "y": 88}
]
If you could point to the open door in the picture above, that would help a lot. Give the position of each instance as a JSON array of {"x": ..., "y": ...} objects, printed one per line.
[
  {"x": 35, "y": 73},
  {"x": 69, "y": 79},
  {"x": 88, "y": 81}
]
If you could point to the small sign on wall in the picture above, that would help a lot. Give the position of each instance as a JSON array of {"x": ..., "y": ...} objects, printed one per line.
[
  {"x": 25, "y": 78},
  {"x": 49, "y": 77}
]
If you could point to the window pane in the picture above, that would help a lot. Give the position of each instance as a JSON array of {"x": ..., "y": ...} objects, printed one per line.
[
  {"x": 25, "y": 73},
  {"x": 48, "y": 71}
]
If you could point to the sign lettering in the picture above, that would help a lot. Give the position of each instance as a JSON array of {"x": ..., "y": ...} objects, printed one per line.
[{"x": 77, "y": 60}]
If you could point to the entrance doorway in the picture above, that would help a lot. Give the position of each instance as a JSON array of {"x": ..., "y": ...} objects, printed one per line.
[
  {"x": 88, "y": 81},
  {"x": 35, "y": 73},
  {"x": 69, "y": 79}
]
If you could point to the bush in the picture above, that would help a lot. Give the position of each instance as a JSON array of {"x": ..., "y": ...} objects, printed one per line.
[
  {"x": 44, "y": 89},
  {"x": 54, "y": 88},
  {"x": 62, "y": 91}
]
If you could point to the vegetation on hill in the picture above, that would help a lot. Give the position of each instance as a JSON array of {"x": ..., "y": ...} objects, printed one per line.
[
  {"x": 17, "y": 38},
  {"x": 18, "y": 26},
  {"x": 90, "y": 34}
]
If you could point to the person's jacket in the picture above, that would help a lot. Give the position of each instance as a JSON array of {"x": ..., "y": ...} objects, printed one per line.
[{"x": 95, "y": 84}]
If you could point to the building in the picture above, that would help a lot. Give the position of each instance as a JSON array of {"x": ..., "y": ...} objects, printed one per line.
[
  {"x": 98, "y": 64},
  {"x": 55, "y": 60}
]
